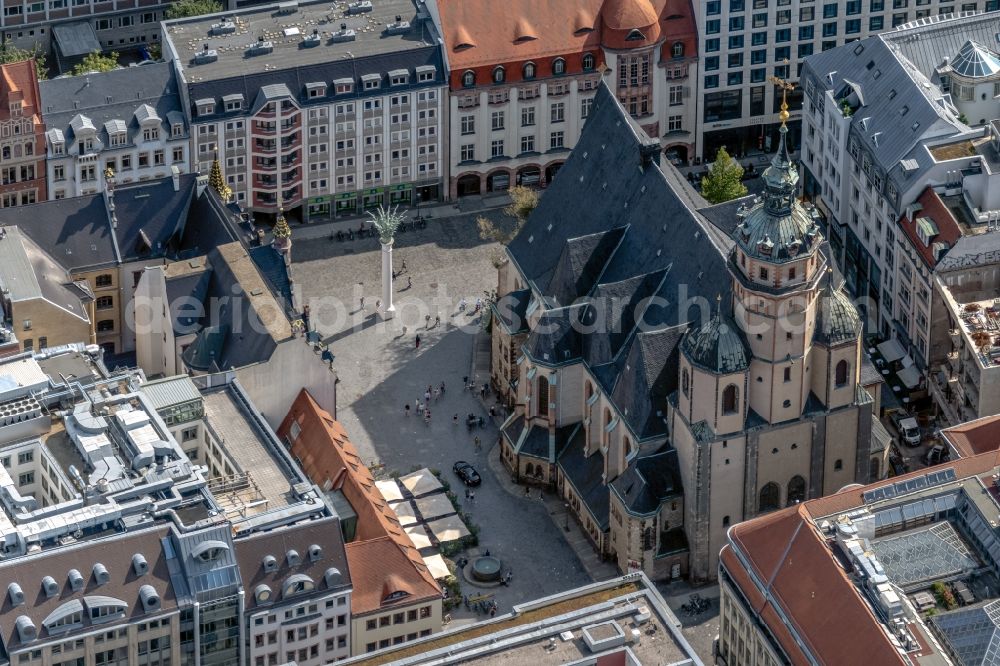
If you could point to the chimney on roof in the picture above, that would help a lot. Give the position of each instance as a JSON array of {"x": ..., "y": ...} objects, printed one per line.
[
  {"x": 175, "y": 175},
  {"x": 649, "y": 153}
]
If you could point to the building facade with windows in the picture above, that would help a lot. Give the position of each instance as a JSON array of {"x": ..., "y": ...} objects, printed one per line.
[
  {"x": 320, "y": 121},
  {"x": 128, "y": 120},
  {"x": 881, "y": 123},
  {"x": 743, "y": 42},
  {"x": 22, "y": 136},
  {"x": 72, "y": 29},
  {"x": 522, "y": 83},
  {"x": 143, "y": 550}
]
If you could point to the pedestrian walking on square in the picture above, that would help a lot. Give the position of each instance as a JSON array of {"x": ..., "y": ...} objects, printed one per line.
[
  {"x": 437, "y": 394},
  {"x": 378, "y": 304},
  {"x": 442, "y": 388},
  {"x": 527, "y": 491},
  {"x": 478, "y": 443},
  {"x": 402, "y": 268},
  {"x": 406, "y": 409},
  {"x": 466, "y": 493},
  {"x": 454, "y": 419},
  {"x": 417, "y": 340},
  {"x": 427, "y": 321},
  {"x": 420, "y": 407},
  {"x": 427, "y": 417},
  {"x": 362, "y": 302},
  {"x": 437, "y": 320},
  {"x": 409, "y": 282},
  {"x": 427, "y": 396},
  {"x": 493, "y": 411},
  {"x": 472, "y": 496},
  {"x": 461, "y": 305}
]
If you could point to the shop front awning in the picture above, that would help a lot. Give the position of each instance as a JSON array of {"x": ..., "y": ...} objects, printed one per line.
[
  {"x": 910, "y": 376},
  {"x": 891, "y": 350}
]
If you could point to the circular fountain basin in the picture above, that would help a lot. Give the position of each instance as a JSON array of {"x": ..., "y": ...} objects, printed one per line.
[{"x": 487, "y": 569}]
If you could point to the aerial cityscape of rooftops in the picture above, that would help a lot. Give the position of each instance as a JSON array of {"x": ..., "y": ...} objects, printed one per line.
[{"x": 444, "y": 331}]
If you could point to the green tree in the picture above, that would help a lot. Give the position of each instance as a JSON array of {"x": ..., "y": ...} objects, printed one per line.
[
  {"x": 193, "y": 8},
  {"x": 724, "y": 180},
  {"x": 523, "y": 200},
  {"x": 97, "y": 62},
  {"x": 10, "y": 53}
]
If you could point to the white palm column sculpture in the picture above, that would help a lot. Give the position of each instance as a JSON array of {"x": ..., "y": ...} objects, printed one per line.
[{"x": 386, "y": 221}]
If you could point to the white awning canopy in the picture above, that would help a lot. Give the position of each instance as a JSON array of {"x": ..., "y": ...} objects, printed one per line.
[
  {"x": 910, "y": 376},
  {"x": 891, "y": 350}
]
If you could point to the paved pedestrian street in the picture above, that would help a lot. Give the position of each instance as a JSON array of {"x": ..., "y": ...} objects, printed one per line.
[{"x": 380, "y": 371}]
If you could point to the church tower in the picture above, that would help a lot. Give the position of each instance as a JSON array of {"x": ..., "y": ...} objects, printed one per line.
[{"x": 768, "y": 411}]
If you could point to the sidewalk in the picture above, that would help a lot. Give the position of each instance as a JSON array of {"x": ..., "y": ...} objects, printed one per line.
[{"x": 562, "y": 519}]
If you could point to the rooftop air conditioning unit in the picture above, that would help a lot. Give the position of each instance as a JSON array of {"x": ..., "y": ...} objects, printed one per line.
[
  {"x": 226, "y": 27},
  {"x": 260, "y": 47},
  {"x": 399, "y": 27},
  {"x": 206, "y": 55},
  {"x": 345, "y": 34},
  {"x": 312, "y": 40},
  {"x": 359, "y": 7}
]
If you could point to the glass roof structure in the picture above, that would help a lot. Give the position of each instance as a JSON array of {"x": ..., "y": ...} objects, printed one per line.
[
  {"x": 972, "y": 633},
  {"x": 924, "y": 555},
  {"x": 975, "y": 61}
]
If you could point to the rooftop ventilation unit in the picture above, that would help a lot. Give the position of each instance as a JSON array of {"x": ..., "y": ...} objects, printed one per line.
[
  {"x": 206, "y": 55},
  {"x": 270, "y": 563},
  {"x": 101, "y": 575},
  {"x": 26, "y": 629},
  {"x": 332, "y": 577},
  {"x": 400, "y": 27},
  {"x": 139, "y": 564},
  {"x": 75, "y": 580},
  {"x": 16, "y": 594},
  {"x": 345, "y": 34},
  {"x": 50, "y": 586},
  {"x": 312, "y": 40},
  {"x": 260, "y": 47},
  {"x": 293, "y": 558},
  {"x": 359, "y": 7},
  {"x": 315, "y": 553},
  {"x": 226, "y": 27},
  {"x": 150, "y": 598}
]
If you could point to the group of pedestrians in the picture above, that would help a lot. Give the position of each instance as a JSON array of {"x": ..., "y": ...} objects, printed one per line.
[{"x": 424, "y": 408}]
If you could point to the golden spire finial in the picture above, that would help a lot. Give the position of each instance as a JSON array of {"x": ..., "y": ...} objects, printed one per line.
[{"x": 785, "y": 87}]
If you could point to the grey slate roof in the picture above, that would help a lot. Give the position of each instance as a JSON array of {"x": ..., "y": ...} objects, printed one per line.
[
  {"x": 718, "y": 346},
  {"x": 837, "y": 320},
  {"x": 585, "y": 474},
  {"x": 648, "y": 481},
  {"x": 899, "y": 109},
  {"x": 75, "y": 39},
  {"x": 26, "y": 273},
  {"x": 135, "y": 93}
]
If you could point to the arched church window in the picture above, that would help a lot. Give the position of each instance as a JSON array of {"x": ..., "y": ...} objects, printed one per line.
[
  {"x": 730, "y": 397},
  {"x": 770, "y": 498},
  {"x": 796, "y": 490},
  {"x": 841, "y": 373}
]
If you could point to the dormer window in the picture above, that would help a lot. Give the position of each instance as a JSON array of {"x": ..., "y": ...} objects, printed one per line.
[
  {"x": 396, "y": 596},
  {"x": 315, "y": 90},
  {"x": 343, "y": 86},
  {"x": 426, "y": 73},
  {"x": 588, "y": 62},
  {"x": 529, "y": 70},
  {"x": 371, "y": 81},
  {"x": 399, "y": 77},
  {"x": 499, "y": 75},
  {"x": 119, "y": 139},
  {"x": 469, "y": 79},
  {"x": 177, "y": 130},
  {"x": 677, "y": 50},
  {"x": 297, "y": 584},
  {"x": 926, "y": 230},
  {"x": 58, "y": 148},
  {"x": 206, "y": 107},
  {"x": 150, "y": 133},
  {"x": 635, "y": 36},
  {"x": 233, "y": 103},
  {"x": 558, "y": 66},
  {"x": 209, "y": 551}
]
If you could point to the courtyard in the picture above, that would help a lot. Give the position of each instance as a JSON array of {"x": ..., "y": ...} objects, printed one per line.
[{"x": 381, "y": 370}]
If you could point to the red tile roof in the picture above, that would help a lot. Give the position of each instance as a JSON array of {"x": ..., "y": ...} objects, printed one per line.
[
  {"x": 948, "y": 229},
  {"x": 378, "y": 569},
  {"x": 808, "y": 592},
  {"x": 19, "y": 82},
  {"x": 974, "y": 437},
  {"x": 330, "y": 460},
  {"x": 478, "y": 37}
]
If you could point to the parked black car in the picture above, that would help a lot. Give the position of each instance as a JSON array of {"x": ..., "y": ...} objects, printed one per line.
[{"x": 467, "y": 473}]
